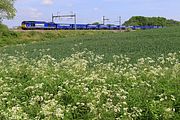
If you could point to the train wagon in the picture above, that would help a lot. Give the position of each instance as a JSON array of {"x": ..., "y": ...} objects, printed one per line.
[
  {"x": 64, "y": 26},
  {"x": 79, "y": 26}
]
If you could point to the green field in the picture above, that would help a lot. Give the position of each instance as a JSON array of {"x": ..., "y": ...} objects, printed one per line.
[
  {"x": 150, "y": 43},
  {"x": 91, "y": 75}
]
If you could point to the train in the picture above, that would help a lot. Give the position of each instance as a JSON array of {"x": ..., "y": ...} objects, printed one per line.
[{"x": 41, "y": 25}]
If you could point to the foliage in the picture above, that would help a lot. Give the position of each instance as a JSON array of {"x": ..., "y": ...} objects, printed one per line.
[
  {"x": 7, "y": 36},
  {"x": 96, "y": 23},
  {"x": 3, "y": 28},
  {"x": 136, "y": 44},
  {"x": 122, "y": 76},
  {"x": 128, "y": 30},
  {"x": 82, "y": 86},
  {"x": 142, "y": 21},
  {"x": 110, "y": 24},
  {"x": 20, "y": 37},
  {"x": 7, "y": 9}
]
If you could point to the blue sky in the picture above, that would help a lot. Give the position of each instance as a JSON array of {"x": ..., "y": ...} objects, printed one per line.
[{"x": 89, "y": 11}]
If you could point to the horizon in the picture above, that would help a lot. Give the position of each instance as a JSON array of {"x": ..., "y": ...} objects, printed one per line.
[{"x": 92, "y": 11}]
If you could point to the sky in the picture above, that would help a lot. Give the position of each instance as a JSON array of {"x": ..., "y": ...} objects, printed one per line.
[{"x": 89, "y": 11}]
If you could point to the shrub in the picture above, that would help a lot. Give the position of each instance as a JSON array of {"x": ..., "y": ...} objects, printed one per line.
[
  {"x": 3, "y": 28},
  {"x": 128, "y": 30}
]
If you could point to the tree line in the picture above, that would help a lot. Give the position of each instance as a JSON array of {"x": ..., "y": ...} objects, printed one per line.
[{"x": 143, "y": 21}]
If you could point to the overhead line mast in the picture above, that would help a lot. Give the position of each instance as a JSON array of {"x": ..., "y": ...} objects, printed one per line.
[
  {"x": 120, "y": 22},
  {"x": 66, "y": 16},
  {"x": 104, "y": 20}
]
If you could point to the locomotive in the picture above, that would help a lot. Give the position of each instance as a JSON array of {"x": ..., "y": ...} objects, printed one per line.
[{"x": 41, "y": 25}]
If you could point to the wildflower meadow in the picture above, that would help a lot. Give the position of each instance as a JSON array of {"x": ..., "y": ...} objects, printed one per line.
[{"x": 84, "y": 87}]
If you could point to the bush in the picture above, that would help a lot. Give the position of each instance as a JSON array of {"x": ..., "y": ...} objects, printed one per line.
[
  {"x": 9, "y": 34},
  {"x": 3, "y": 28},
  {"x": 128, "y": 30},
  {"x": 6, "y": 36}
]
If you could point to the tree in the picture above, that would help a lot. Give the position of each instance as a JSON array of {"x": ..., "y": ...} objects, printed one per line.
[
  {"x": 7, "y": 10},
  {"x": 143, "y": 21},
  {"x": 136, "y": 21},
  {"x": 96, "y": 23}
]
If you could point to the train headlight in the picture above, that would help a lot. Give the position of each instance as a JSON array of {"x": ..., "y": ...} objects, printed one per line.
[{"x": 23, "y": 25}]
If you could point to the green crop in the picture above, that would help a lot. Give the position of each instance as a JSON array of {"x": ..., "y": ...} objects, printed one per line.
[
  {"x": 149, "y": 43},
  {"x": 85, "y": 75}
]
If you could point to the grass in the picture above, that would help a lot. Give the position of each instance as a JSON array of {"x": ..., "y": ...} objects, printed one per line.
[
  {"x": 92, "y": 75},
  {"x": 138, "y": 44},
  {"x": 8, "y": 37}
]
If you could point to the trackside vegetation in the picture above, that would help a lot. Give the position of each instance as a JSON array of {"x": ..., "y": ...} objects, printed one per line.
[{"x": 13, "y": 37}]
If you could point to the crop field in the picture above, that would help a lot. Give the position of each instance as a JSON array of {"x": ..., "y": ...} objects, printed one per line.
[
  {"x": 93, "y": 76},
  {"x": 150, "y": 43}
]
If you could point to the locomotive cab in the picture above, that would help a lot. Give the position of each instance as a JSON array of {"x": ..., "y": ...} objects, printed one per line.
[
  {"x": 31, "y": 25},
  {"x": 23, "y": 25}
]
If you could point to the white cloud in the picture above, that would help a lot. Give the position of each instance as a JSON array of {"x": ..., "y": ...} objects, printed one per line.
[
  {"x": 33, "y": 13},
  {"x": 47, "y": 2}
]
